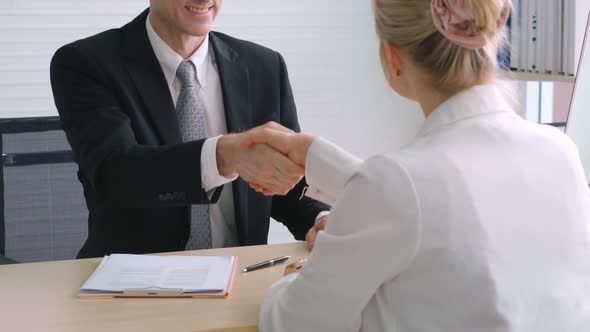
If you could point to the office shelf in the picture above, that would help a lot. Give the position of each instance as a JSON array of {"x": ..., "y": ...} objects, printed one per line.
[{"x": 531, "y": 76}]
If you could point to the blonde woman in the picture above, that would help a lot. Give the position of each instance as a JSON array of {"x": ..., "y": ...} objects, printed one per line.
[{"x": 480, "y": 224}]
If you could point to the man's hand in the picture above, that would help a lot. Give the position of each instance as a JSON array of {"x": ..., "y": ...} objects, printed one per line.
[
  {"x": 258, "y": 164},
  {"x": 312, "y": 234},
  {"x": 285, "y": 141},
  {"x": 289, "y": 143}
]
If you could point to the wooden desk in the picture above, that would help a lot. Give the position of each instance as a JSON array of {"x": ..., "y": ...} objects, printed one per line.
[{"x": 42, "y": 297}]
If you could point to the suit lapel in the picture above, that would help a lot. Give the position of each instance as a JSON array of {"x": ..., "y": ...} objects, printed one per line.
[
  {"x": 235, "y": 86},
  {"x": 147, "y": 74}
]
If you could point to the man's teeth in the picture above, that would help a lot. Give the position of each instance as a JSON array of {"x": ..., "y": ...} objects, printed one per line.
[{"x": 198, "y": 10}]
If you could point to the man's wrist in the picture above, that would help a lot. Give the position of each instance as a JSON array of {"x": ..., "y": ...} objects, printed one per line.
[
  {"x": 321, "y": 216},
  {"x": 210, "y": 176},
  {"x": 225, "y": 153}
]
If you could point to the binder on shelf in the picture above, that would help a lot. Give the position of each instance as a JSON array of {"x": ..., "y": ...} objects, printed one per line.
[
  {"x": 549, "y": 35},
  {"x": 542, "y": 35},
  {"x": 524, "y": 39},
  {"x": 532, "y": 35},
  {"x": 504, "y": 49},
  {"x": 542, "y": 38},
  {"x": 515, "y": 32},
  {"x": 560, "y": 37},
  {"x": 569, "y": 24},
  {"x": 161, "y": 276}
]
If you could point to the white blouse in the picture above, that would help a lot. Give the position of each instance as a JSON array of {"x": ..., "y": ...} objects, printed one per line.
[{"x": 481, "y": 224}]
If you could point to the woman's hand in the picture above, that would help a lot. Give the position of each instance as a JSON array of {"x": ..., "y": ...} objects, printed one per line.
[
  {"x": 287, "y": 142},
  {"x": 294, "y": 267},
  {"x": 259, "y": 164},
  {"x": 312, "y": 234}
]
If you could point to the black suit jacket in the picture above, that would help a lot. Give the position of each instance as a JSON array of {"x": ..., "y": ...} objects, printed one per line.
[{"x": 139, "y": 178}]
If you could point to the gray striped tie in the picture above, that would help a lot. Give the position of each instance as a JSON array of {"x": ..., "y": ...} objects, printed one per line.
[{"x": 191, "y": 109}]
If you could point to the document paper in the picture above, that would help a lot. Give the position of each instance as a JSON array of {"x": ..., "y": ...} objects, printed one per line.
[{"x": 192, "y": 274}]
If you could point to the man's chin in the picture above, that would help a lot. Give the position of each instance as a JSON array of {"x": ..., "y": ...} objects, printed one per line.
[{"x": 200, "y": 30}]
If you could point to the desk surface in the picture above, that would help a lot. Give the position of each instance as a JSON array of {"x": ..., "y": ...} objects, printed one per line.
[{"x": 42, "y": 297}]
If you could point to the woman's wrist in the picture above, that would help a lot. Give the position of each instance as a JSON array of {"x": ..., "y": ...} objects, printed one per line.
[{"x": 302, "y": 144}]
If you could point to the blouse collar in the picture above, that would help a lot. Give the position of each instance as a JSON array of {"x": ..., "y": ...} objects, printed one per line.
[{"x": 476, "y": 101}]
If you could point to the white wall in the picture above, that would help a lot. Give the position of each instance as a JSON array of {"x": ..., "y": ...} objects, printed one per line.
[
  {"x": 330, "y": 48},
  {"x": 32, "y": 30},
  {"x": 329, "y": 45},
  {"x": 332, "y": 53}
]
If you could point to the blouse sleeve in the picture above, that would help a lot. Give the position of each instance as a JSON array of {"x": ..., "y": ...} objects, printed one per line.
[
  {"x": 354, "y": 256},
  {"x": 327, "y": 169}
]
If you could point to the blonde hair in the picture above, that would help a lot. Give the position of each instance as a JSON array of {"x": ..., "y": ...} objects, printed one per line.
[{"x": 409, "y": 25}]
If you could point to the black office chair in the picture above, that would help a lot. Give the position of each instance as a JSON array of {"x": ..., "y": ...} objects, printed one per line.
[
  {"x": 42, "y": 209},
  {"x": 6, "y": 260}
]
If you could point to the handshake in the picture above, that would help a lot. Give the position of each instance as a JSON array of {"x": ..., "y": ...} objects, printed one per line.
[{"x": 271, "y": 158}]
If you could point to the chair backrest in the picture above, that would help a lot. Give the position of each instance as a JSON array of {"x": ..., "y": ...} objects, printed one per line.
[{"x": 42, "y": 209}]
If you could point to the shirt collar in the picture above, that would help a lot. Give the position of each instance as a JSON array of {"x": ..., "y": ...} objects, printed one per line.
[
  {"x": 476, "y": 101},
  {"x": 170, "y": 60}
]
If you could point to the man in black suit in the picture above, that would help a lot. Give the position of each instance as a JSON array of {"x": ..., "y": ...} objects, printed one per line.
[{"x": 147, "y": 108}]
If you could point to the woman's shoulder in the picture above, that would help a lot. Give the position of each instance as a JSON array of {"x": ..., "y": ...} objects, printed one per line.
[
  {"x": 386, "y": 175},
  {"x": 553, "y": 134},
  {"x": 553, "y": 141}
]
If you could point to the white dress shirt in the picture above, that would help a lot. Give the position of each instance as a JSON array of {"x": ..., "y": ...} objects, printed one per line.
[
  {"x": 223, "y": 225},
  {"x": 481, "y": 224}
]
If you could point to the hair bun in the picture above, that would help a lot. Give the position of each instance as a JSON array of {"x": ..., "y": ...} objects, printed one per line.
[{"x": 465, "y": 25}]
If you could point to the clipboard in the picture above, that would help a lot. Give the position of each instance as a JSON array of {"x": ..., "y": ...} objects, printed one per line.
[{"x": 156, "y": 292}]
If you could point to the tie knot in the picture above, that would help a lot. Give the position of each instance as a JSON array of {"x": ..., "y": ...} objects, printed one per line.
[{"x": 186, "y": 73}]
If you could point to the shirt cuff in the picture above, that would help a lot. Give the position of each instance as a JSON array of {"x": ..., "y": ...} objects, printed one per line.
[
  {"x": 327, "y": 170},
  {"x": 320, "y": 215},
  {"x": 210, "y": 177}
]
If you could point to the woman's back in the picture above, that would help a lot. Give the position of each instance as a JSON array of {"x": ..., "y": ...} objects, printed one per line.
[
  {"x": 481, "y": 224},
  {"x": 505, "y": 220}
]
